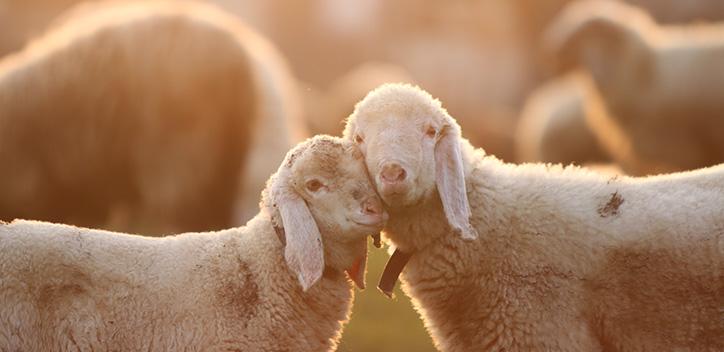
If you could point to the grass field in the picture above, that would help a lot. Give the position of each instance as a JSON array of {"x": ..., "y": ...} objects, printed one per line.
[{"x": 381, "y": 324}]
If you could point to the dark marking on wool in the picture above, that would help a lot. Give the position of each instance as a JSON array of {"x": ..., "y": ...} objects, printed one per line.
[
  {"x": 357, "y": 194},
  {"x": 612, "y": 206},
  {"x": 614, "y": 178},
  {"x": 63, "y": 283},
  {"x": 293, "y": 157},
  {"x": 239, "y": 293},
  {"x": 49, "y": 296}
]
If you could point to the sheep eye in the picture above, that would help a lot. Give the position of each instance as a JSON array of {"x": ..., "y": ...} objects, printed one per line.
[
  {"x": 431, "y": 132},
  {"x": 358, "y": 139},
  {"x": 314, "y": 185}
]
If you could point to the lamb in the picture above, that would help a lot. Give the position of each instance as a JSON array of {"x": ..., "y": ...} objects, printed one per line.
[
  {"x": 160, "y": 116},
  {"x": 539, "y": 257},
  {"x": 660, "y": 84},
  {"x": 65, "y": 287},
  {"x": 552, "y": 127}
]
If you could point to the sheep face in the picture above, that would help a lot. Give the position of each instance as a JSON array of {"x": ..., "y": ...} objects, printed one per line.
[
  {"x": 321, "y": 194},
  {"x": 337, "y": 190},
  {"x": 397, "y": 141},
  {"x": 412, "y": 151}
]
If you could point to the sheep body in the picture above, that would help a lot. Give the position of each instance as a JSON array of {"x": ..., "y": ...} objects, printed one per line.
[
  {"x": 572, "y": 261},
  {"x": 148, "y": 110},
  {"x": 69, "y": 288},
  {"x": 659, "y": 84},
  {"x": 66, "y": 288},
  {"x": 565, "y": 259}
]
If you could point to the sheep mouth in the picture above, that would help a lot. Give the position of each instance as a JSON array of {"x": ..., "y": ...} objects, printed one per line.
[
  {"x": 371, "y": 218},
  {"x": 375, "y": 223}
]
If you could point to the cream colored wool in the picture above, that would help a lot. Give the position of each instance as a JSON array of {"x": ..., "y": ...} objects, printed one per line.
[
  {"x": 558, "y": 259},
  {"x": 66, "y": 288},
  {"x": 661, "y": 84},
  {"x": 159, "y": 116}
]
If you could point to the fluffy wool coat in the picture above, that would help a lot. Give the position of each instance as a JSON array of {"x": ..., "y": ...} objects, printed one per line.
[
  {"x": 571, "y": 260},
  {"x": 65, "y": 288},
  {"x": 559, "y": 259}
]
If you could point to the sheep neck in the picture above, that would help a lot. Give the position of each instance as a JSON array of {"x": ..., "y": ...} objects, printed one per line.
[
  {"x": 411, "y": 235},
  {"x": 329, "y": 271},
  {"x": 405, "y": 228},
  {"x": 337, "y": 258}
]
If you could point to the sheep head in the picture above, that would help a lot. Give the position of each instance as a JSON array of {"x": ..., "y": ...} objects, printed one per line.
[
  {"x": 612, "y": 40},
  {"x": 412, "y": 151},
  {"x": 323, "y": 203}
]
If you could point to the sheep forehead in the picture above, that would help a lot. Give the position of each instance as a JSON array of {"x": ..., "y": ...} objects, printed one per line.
[
  {"x": 402, "y": 101},
  {"x": 323, "y": 156}
]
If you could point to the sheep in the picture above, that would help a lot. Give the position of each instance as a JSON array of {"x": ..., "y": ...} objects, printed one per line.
[
  {"x": 538, "y": 257},
  {"x": 327, "y": 109},
  {"x": 65, "y": 287},
  {"x": 532, "y": 18},
  {"x": 166, "y": 115},
  {"x": 23, "y": 19},
  {"x": 552, "y": 127},
  {"x": 660, "y": 84}
]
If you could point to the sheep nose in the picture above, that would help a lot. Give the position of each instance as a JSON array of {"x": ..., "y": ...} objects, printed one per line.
[
  {"x": 393, "y": 173},
  {"x": 372, "y": 207}
]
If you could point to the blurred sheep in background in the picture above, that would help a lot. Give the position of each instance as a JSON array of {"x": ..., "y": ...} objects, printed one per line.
[
  {"x": 535, "y": 16},
  {"x": 22, "y": 20},
  {"x": 143, "y": 115},
  {"x": 327, "y": 109},
  {"x": 481, "y": 57},
  {"x": 661, "y": 84},
  {"x": 468, "y": 53},
  {"x": 465, "y": 52},
  {"x": 553, "y": 128}
]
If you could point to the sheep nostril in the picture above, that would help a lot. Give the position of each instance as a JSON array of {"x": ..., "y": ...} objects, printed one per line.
[{"x": 393, "y": 173}]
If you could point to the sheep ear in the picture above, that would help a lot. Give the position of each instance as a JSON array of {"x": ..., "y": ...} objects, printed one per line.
[
  {"x": 303, "y": 251},
  {"x": 358, "y": 269},
  {"x": 450, "y": 180}
]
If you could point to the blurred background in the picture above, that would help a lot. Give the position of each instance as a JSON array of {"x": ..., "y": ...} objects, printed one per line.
[{"x": 625, "y": 88}]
